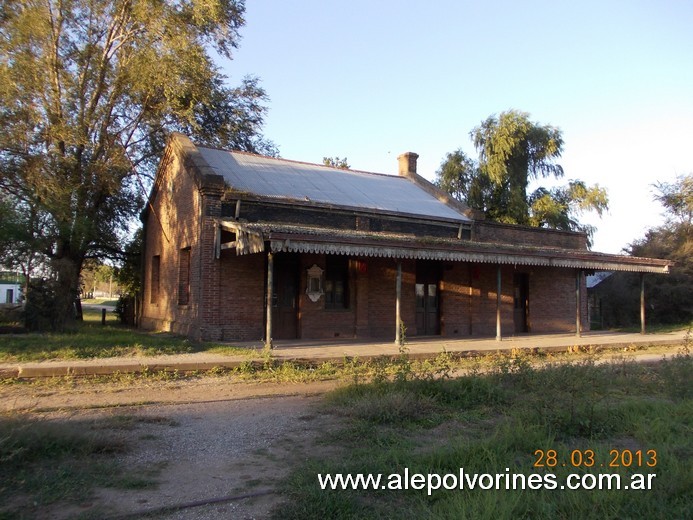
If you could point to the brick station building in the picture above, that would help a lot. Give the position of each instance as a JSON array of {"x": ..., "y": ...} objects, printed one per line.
[{"x": 347, "y": 254}]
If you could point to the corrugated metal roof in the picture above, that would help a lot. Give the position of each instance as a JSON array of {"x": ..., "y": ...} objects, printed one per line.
[{"x": 291, "y": 180}]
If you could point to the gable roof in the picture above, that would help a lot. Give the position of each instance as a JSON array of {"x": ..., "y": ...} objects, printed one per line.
[
  {"x": 407, "y": 194},
  {"x": 306, "y": 183}
]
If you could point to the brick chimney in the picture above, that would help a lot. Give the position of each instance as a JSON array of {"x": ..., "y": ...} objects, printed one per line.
[{"x": 407, "y": 164}]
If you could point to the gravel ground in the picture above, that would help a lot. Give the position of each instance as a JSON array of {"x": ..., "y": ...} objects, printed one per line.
[
  {"x": 206, "y": 451},
  {"x": 46, "y": 395}
]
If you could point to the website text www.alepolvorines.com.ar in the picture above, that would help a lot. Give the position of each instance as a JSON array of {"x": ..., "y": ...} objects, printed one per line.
[{"x": 483, "y": 481}]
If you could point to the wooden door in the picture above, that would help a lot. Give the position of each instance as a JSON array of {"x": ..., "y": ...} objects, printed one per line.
[
  {"x": 285, "y": 297},
  {"x": 427, "y": 299},
  {"x": 521, "y": 302}
]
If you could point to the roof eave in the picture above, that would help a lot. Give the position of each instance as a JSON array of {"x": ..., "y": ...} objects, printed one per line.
[{"x": 379, "y": 245}]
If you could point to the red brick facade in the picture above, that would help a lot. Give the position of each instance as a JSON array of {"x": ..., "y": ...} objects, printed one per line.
[
  {"x": 226, "y": 297},
  {"x": 496, "y": 232},
  {"x": 172, "y": 223}
]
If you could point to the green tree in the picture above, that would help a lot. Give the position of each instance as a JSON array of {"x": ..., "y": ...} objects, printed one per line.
[
  {"x": 669, "y": 298},
  {"x": 129, "y": 273},
  {"x": 466, "y": 181},
  {"x": 677, "y": 199},
  {"x": 559, "y": 208},
  {"x": 336, "y": 162},
  {"x": 512, "y": 152},
  {"x": 11, "y": 231},
  {"x": 89, "y": 90},
  {"x": 674, "y": 239},
  {"x": 457, "y": 174},
  {"x": 21, "y": 248},
  {"x": 98, "y": 276}
]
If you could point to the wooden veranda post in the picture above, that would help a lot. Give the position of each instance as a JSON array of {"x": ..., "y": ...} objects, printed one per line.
[
  {"x": 499, "y": 337},
  {"x": 398, "y": 316},
  {"x": 642, "y": 303},
  {"x": 578, "y": 304},
  {"x": 270, "y": 292}
]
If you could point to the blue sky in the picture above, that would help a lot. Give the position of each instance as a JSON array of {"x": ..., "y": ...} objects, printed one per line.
[{"x": 372, "y": 79}]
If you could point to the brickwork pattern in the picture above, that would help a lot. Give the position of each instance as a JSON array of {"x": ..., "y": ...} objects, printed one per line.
[
  {"x": 173, "y": 224},
  {"x": 318, "y": 322},
  {"x": 552, "y": 301},
  {"x": 505, "y": 233},
  {"x": 455, "y": 305},
  {"x": 227, "y": 295},
  {"x": 241, "y": 308}
]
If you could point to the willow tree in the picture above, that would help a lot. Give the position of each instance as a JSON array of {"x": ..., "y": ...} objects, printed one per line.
[
  {"x": 513, "y": 151},
  {"x": 89, "y": 89}
]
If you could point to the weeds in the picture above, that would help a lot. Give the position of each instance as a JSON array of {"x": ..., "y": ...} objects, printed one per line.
[
  {"x": 43, "y": 462},
  {"x": 677, "y": 380},
  {"x": 496, "y": 418},
  {"x": 379, "y": 370},
  {"x": 53, "y": 461}
]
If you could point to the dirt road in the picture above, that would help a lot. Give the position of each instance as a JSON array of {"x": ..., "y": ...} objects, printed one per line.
[
  {"x": 198, "y": 440},
  {"x": 216, "y": 441},
  {"x": 206, "y": 452},
  {"x": 47, "y": 395}
]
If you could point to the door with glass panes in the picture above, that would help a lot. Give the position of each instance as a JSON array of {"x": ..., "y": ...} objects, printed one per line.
[{"x": 427, "y": 298}]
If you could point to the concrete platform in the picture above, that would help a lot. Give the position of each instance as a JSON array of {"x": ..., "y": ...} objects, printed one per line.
[{"x": 336, "y": 351}]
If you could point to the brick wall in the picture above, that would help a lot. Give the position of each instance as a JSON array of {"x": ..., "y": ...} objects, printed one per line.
[
  {"x": 241, "y": 304},
  {"x": 172, "y": 224},
  {"x": 254, "y": 211},
  {"x": 484, "y": 290},
  {"x": 455, "y": 304},
  {"x": 468, "y": 303},
  {"x": 467, "y": 306},
  {"x": 208, "y": 270},
  {"x": 316, "y": 321},
  {"x": 372, "y": 294},
  {"x": 382, "y": 274},
  {"x": 361, "y": 292},
  {"x": 485, "y": 231},
  {"x": 552, "y": 300}
]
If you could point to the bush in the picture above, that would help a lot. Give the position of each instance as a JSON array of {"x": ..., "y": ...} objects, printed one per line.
[
  {"x": 667, "y": 299},
  {"x": 41, "y": 309},
  {"x": 125, "y": 310}
]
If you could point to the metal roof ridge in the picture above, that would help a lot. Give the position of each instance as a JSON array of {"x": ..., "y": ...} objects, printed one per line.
[{"x": 293, "y": 161}]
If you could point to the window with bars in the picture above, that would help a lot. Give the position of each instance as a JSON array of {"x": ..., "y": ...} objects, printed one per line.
[{"x": 337, "y": 282}]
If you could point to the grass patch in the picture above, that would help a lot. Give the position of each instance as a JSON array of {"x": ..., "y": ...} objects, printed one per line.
[
  {"x": 93, "y": 340},
  {"x": 106, "y": 302},
  {"x": 261, "y": 367},
  {"x": 493, "y": 423},
  {"x": 658, "y": 328},
  {"x": 44, "y": 462}
]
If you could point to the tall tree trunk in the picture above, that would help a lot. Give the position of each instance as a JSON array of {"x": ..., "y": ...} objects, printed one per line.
[{"x": 68, "y": 270}]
